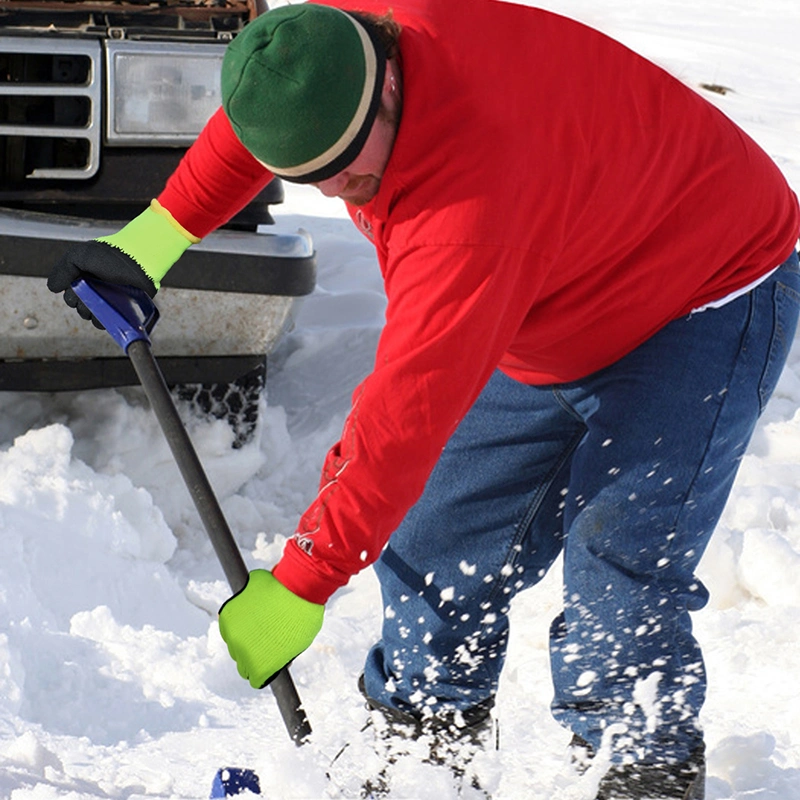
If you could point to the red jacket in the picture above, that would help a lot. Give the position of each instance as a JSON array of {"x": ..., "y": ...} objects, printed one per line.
[{"x": 552, "y": 200}]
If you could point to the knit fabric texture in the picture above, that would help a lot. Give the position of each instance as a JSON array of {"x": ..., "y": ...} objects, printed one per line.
[{"x": 301, "y": 86}]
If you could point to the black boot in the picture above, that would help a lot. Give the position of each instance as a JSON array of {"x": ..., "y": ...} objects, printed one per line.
[
  {"x": 449, "y": 740},
  {"x": 581, "y": 754},
  {"x": 681, "y": 781}
]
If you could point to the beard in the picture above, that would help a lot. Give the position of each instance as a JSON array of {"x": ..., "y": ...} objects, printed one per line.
[{"x": 360, "y": 189}]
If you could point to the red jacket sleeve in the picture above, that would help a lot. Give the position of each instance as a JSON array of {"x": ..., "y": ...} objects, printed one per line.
[
  {"x": 215, "y": 179},
  {"x": 452, "y": 312}
]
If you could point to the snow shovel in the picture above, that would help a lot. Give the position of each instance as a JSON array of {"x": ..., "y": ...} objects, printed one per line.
[{"x": 129, "y": 315}]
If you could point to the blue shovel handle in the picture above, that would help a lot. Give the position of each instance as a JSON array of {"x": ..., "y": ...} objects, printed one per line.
[{"x": 127, "y": 313}]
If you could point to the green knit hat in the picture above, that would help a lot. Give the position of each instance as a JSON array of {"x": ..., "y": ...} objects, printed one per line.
[{"x": 301, "y": 86}]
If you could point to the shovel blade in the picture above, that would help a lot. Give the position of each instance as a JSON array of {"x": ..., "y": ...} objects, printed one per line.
[{"x": 231, "y": 781}]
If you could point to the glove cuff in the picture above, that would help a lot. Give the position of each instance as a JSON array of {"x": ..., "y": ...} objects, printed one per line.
[{"x": 154, "y": 240}]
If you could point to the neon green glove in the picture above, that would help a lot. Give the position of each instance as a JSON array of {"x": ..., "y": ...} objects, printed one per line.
[
  {"x": 266, "y": 626},
  {"x": 139, "y": 255}
]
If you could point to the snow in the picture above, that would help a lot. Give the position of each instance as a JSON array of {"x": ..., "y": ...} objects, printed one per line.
[{"x": 114, "y": 682}]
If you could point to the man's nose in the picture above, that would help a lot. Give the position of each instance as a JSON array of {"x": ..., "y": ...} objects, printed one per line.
[{"x": 332, "y": 187}]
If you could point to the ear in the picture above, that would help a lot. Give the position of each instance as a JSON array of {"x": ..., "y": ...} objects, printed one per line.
[
  {"x": 390, "y": 81},
  {"x": 392, "y": 92}
]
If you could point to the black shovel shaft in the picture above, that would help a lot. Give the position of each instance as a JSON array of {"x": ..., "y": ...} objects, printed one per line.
[{"x": 152, "y": 380}]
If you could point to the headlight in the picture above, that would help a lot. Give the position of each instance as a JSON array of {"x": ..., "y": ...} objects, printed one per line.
[{"x": 161, "y": 93}]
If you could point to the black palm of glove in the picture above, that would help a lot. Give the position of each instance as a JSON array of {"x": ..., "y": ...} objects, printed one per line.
[{"x": 100, "y": 260}]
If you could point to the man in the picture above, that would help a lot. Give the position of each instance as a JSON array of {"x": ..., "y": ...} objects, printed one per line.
[{"x": 592, "y": 287}]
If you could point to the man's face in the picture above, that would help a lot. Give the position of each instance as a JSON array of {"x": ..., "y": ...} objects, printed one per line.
[{"x": 358, "y": 183}]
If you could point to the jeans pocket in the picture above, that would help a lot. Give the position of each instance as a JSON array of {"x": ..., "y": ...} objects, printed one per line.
[{"x": 786, "y": 307}]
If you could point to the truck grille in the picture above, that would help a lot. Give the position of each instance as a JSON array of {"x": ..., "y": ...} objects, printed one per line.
[{"x": 50, "y": 108}]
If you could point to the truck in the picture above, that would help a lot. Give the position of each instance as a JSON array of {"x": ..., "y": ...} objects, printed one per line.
[{"x": 99, "y": 99}]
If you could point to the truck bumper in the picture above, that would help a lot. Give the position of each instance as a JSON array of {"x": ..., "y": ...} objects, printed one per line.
[{"x": 224, "y": 306}]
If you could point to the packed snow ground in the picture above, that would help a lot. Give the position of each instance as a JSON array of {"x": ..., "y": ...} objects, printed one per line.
[{"x": 114, "y": 682}]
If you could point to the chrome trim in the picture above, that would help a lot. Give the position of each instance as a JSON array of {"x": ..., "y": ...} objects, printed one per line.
[{"x": 52, "y": 46}]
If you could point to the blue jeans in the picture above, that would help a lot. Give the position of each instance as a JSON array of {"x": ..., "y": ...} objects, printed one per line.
[{"x": 627, "y": 472}]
